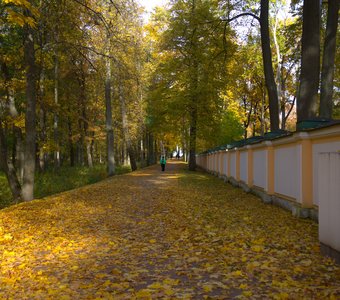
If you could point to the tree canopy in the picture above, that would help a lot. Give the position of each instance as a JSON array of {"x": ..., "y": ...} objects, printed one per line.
[{"x": 89, "y": 82}]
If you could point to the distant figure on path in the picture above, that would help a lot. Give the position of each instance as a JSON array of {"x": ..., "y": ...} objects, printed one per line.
[{"x": 163, "y": 162}]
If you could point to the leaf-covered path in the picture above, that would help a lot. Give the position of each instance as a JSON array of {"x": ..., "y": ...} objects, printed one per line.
[{"x": 154, "y": 235}]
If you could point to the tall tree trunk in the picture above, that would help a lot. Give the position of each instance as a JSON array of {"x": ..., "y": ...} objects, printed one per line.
[
  {"x": 89, "y": 149},
  {"x": 150, "y": 151},
  {"x": 42, "y": 114},
  {"x": 126, "y": 133},
  {"x": 282, "y": 97},
  {"x": 19, "y": 143},
  {"x": 155, "y": 147},
  {"x": 327, "y": 74},
  {"x": 111, "y": 167},
  {"x": 193, "y": 134},
  {"x": 56, "y": 154},
  {"x": 142, "y": 150},
  {"x": 30, "y": 119},
  {"x": 268, "y": 67},
  {"x": 70, "y": 142},
  {"x": 80, "y": 144},
  {"x": 263, "y": 99},
  {"x": 82, "y": 122},
  {"x": 278, "y": 71},
  {"x": 9, "y": 169},
  {"x": 87, "y": 138},
  {"x": 193, "y": 106},
  {"x": 89, "y": 154},
  {"x": 20, "y": 152},
  {"x": 310, "y": 61}
]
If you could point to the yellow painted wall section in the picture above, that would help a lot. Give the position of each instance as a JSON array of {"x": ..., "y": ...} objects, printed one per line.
[{"x": 307, "y": 173}]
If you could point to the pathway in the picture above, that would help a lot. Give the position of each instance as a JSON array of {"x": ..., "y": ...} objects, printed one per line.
[{"x": 154, "y": 235}]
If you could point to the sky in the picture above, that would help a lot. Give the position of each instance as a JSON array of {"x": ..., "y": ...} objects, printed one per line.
[{"x": 150, "y": 5}]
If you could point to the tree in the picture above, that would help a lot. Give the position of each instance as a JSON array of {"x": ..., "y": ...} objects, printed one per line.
[
  {"x": 30, "y": 117},
  {"x": 108, "y": 114},
  {"x": 307, "y": 98},
  {"x": 189, "y": 74},
  {"x": 263, "y": 19},
  {"x": 268, "y": 67},
  {"x": 8, "y": 168},
  {"x": 328, "y": 61}
]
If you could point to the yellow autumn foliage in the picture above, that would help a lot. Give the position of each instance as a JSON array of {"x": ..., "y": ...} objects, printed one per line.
[{"x": 155, "y": 235}]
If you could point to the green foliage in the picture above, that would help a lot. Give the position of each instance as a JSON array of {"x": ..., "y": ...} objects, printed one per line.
[
  {"x": 189, "y": 66},
  {"x": 64, "y": 179}
]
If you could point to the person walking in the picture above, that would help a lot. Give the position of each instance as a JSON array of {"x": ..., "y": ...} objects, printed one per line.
[{"x": 163, "y": 162}]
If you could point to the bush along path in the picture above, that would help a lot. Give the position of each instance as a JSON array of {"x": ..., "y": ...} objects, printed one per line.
[{"x": 160, "y": 235}]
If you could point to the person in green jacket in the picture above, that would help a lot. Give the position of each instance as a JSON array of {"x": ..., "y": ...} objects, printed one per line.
[{"x": 163, "y": 162}]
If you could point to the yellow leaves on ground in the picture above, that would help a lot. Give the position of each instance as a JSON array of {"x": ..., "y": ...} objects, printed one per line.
[
  {"x": 6, "y": 237},
  {"x": 153, "y": 235}
]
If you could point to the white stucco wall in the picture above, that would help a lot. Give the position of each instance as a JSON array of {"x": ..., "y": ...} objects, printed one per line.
[
  {"x": 287, "y": 171},
  {"x": 216, "y": 162},
  {"x": 321, "y": 148},
  {"x": 244, "y": 166},
  {"x": 220, "y": 162},
  {"x": 233, "y": 164},
  {"x": 260, "y": 168},
  {"x": 225, "y": 163},
  {"x": 329, "y": 191}
]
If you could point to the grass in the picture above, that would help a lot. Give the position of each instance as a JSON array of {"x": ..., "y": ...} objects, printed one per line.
[
  {"x": 5, "y": 193},
  {"x": 53, "y": 182}
]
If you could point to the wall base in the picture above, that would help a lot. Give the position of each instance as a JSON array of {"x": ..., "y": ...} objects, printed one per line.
[
  {"x": 330, "y": 252},
  {"x": 295, "y": 208},
  {"x": 263, "y": 195},
  {"x": 244, "y": 187},
  {"x": 300, "y": 212}
]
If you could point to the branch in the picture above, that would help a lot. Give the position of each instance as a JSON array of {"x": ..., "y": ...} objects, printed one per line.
[
  {"x": 95, "y": 51},
  {"x": 242, "y": 15},
  {"x": 99, "y": 15},
  {"x": 291, "y": 108}
]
